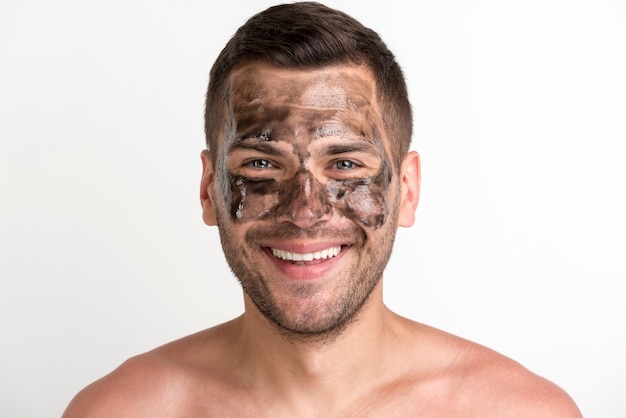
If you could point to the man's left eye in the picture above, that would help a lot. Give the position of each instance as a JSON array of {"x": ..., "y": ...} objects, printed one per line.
[
  {"x": 261, "y": 164},
  {"x": 344, "y": 165}
]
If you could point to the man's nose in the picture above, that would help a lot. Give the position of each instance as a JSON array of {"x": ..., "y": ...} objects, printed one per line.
[{"x": 304, "y": 201}]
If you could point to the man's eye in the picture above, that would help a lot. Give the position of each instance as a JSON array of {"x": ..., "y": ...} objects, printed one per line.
[
  {"x": 260, "y": 164},
  {"x": 344, "y": 165}
]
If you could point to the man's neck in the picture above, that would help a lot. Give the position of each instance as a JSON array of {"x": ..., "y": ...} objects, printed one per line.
[{"x": 355, "y": 358}]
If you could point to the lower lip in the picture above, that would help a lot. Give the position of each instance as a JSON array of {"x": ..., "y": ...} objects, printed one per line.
[{"x": 306, "y": 270}]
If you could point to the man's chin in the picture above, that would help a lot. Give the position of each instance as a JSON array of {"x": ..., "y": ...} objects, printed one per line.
[
  {"x": 319, "y": 325},
  {"x": 312, "y": 333}
]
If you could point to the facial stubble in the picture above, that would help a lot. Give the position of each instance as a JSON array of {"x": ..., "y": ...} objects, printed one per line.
[{"x": 355, "y": 285}]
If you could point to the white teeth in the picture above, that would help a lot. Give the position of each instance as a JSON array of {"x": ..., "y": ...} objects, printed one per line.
[{"x": 318, "y": 255}]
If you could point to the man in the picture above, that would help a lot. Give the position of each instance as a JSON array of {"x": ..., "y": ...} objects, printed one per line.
[{"x": 307, "y": 175}]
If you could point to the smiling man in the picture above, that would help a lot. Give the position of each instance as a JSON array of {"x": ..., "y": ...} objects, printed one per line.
[
  {"x": 304, "y": 195},
  {"x": 308, "y": 175}
]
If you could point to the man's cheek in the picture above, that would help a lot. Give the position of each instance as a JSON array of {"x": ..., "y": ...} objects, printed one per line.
[
  {"x": 252, "y": 200},
  {"x": 366, "y": 200},
  {"x": 362, "y": 201}
]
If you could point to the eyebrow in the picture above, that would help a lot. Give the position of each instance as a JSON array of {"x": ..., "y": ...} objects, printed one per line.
[
  {"x": 255, "y": 144},
  {"x": 344, "y": 148}
]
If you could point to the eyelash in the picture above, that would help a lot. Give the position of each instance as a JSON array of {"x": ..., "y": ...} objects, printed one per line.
[
  {"x": 338, "y": 165},
  {"x": 260, "y": 164}
]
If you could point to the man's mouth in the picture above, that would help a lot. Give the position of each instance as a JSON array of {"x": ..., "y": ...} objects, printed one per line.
[{"x": 317, "y": 255}]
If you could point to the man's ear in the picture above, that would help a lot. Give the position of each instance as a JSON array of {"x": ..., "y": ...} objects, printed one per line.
[
  {"x": 208, "y": 210},
  {"x": 410, "y": 177}
]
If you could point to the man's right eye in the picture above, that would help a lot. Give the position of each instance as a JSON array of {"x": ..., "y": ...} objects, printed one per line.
[{"x": 260, "y": 164}]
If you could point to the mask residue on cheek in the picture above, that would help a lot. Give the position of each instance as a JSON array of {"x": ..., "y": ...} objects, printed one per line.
[
  {"x": 252, "y": 200},
  {"x": 364, "y": 200}
]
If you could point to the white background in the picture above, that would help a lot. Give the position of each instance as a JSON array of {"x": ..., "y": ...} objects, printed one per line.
[{"x": 519, "y": 244}]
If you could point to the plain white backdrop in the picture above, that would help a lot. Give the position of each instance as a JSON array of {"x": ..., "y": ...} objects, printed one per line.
[{"x": 519, "y": 244}]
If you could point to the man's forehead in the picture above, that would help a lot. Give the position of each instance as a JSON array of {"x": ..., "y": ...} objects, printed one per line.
[
  {"x": 333, "y": 87},
  {"x": 302, "y": 105}
]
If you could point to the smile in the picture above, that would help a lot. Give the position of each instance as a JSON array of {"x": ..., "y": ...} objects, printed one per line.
[{"x": 317, "y": 255}]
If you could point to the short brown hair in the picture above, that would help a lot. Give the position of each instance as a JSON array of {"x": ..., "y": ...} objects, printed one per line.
[{"x": 310, "y": 35}]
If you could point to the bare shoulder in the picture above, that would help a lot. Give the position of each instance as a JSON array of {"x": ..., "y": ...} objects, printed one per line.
[
  {"x": 140, "y": 386},
  {"x": 474, "y": 380},
  {"x": 172, "y": 380},
  {"x": 510, "y": 388}
]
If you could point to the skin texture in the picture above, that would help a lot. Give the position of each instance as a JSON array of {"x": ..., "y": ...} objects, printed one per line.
[{"x": 316, "y": 339}]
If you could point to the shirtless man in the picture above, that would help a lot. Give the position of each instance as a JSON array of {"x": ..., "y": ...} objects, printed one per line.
[{"x": 307, "y": 175}]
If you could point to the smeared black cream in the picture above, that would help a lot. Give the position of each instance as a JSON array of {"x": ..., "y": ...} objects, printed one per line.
[{"x": 271, "y": 109}]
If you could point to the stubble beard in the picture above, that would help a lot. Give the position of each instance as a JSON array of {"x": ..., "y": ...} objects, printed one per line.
[{"x": 326, "y": 322}]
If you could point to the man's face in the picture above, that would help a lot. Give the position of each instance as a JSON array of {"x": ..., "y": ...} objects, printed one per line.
[{"x": 305, "y": 193}]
